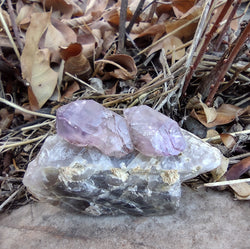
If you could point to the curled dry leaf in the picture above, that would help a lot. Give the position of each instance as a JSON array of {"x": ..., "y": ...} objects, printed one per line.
[
  {"x": 75, "y": 61},
  {"x": 120, "y": 66},
  {"x": 219, "y": 172},
  {"x": 238, "y": 169},
  {"x": 225, "y": 114},
  {"x": 228, "y": 140}
]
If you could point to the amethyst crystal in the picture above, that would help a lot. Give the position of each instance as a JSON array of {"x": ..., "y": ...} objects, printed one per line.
[
  {"x": 152, "y": 133},
  {"x": 89, "y": 176},
  {"x": 87, "y": 123}
]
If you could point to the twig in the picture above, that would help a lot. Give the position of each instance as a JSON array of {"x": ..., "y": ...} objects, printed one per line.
[
  {"x": 239, "y": 156},
  {"x": 169, "y": 34},
  {"x": 6, "y": 102},
  {"x": 14, "y": 26},
  {"x": 135, "y": 16},
  {"x": 122, "y": 27},
  {"x": 227, "y": 24},
  {"x": 81, "y": 81},
  {"x": 210, "y": 139},
  {"x": 16, "y": 144},
  {"x": 218, "y": 73},
  {"x": 11, "y": 197},
  {"x": 224, "y": 183},
  {"x": 5, "y": 26},
  {"x": 205, "y": 44}
]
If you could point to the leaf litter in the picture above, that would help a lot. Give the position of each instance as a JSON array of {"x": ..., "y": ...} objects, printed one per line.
[{"x": 187, "y": 59}]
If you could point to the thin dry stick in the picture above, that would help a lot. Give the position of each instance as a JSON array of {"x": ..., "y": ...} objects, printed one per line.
[
  {"x": 169, "y": 34},
  {"x": 227, "y": 24},
  {"x": 122, "y": 27},
  {"x": 205, "y": 44},
  {"x": 224, "y": 64},
  {"x": 6, "y": 102},
  {"x": 16, "y": 144},
  {"x": 135, "y": 16},
  {"x": 5, "y": 26},
  {"x": 210, "y": 139},
  {"x": 14, "y": 26},
  {"x": 81, "y": 81},
  {"x": 224, "y": 183},
  {"x": 11, "y": 197}
]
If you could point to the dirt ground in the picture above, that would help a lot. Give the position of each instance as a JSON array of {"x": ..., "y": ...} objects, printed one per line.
[{"x": 205, "y": 219}]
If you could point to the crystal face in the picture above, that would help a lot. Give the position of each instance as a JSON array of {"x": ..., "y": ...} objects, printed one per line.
[
  {"x": 152, "y": 133},
  {"x": 87, "y": 123}
]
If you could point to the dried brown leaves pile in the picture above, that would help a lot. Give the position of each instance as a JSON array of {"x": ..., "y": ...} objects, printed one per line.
[{"x": 68, "y": 50}]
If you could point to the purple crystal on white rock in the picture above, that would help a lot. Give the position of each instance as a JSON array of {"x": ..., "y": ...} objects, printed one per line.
[
  {"x": 152, "y": 133},
  {"x": 87, "y": 123}
]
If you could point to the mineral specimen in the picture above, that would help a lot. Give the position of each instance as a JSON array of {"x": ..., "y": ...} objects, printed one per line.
[
  {"x": 87, "y": 123},
  {"x": 152, "y": 133},
  {"x": 86, "y": 180}
]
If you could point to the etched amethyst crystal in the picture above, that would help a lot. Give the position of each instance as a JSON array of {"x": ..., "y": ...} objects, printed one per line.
[
  {"x": 87, "y": 123},
  {"x": 152, "y": 133}
]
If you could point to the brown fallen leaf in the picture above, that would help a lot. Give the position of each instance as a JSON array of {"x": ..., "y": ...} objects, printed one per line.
[
  {"x": 5, "y": 119},
  {"x": 120, "y": 66},
  {"x": 44, "y": 79},
  {"x": 241, "y": 190},
  {"x": 75, "y": 61},
  {"x": 170, "y": 44},
  {"x": 69, "y": 91},
  {"x": 35, "y": 63},
  {"x": 225, "y": 114},
  {"x": 6, "y": 18},
  {"x": 180, "y": 7},
  {"x": 186, "y": 33},
  {"x": 238, "y": 169},
  {"x": 24, "y": 14},
  {"x": 228, "y": 140}
]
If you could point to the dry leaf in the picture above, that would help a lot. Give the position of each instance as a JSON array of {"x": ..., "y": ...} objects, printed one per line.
[
  {"x": 170, "y": 44},
  {"x": 5, "y": 119},
  {"x": 238, "y": 169},
  {"x": 228, "y": 140},
  {"x": 66, "y": 7},
  {"x": 6, "y": 18},
  {"x": 44, "y": 79},
  {"x": 35, "y": 63},
  {"x": 221, "y": 170},
  {"x": 24, "y": 15},
  {"x": 242, "y": 190},
  {"x": 70, "y": 90},
  {"x": 226, "y": 113},
  {"x": 75, "y": 61},
  {"x": 186, "y": 33},
  {"x": 113, "y": 17},
  {"x": 180, "y": 7},
  {"x": 56, "y": 36},
  {"x": 120, "y": 66}
]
